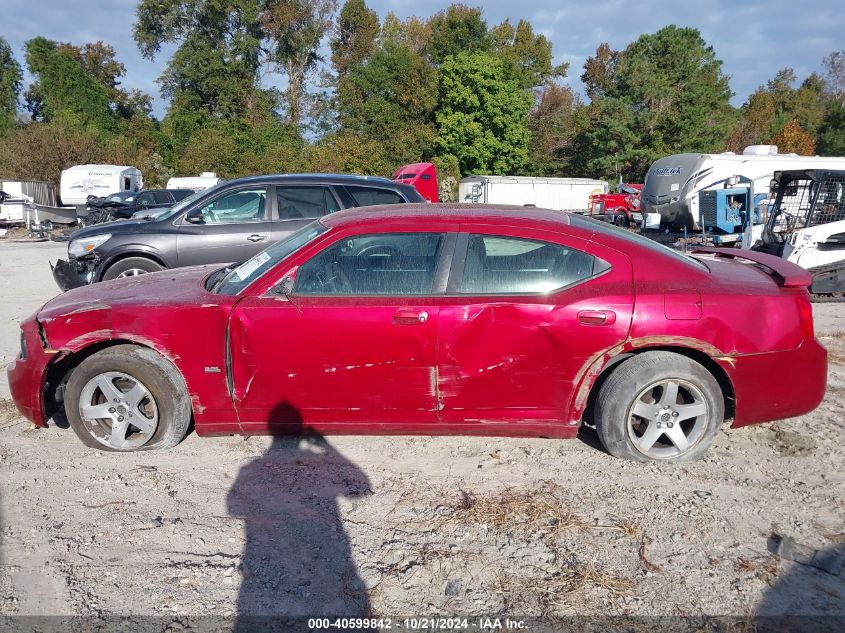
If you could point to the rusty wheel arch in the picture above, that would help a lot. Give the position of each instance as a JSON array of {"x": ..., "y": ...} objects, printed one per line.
[
  {"x": 62, "y": 365},
  {"x": 594, "y": 385}
]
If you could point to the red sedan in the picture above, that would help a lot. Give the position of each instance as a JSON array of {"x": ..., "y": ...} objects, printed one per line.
[{"x": 434, "y": 320}]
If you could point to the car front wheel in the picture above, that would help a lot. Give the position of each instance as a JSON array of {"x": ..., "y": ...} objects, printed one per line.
[
  {"x": 130, "y": 267},
  {"x": 659, "y": 406},
  {"x": 127, "y": 398}
]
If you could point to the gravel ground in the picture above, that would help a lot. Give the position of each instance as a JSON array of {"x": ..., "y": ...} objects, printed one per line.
[{"x": 386, "y": 525}]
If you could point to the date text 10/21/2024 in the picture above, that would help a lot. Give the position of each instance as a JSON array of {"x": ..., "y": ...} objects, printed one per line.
[{"x": 420, "y": 623}]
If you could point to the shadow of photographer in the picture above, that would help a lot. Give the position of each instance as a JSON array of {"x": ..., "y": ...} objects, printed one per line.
[{"x": 297, "y": 560}]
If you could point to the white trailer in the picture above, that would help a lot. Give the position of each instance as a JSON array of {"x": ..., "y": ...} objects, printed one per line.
[
  {"x": 673, "y": 184},
  {"x": 560, "y": 194},
  {"x": 195, "y": 183},
  {"x": 81, "y": 181}
]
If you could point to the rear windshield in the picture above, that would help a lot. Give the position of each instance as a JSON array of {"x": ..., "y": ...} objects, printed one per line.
[{"x": 609, "y": 229}]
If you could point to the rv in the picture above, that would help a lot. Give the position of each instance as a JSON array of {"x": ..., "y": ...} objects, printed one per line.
[
  {"x": 673, "y": 184},
  {"x": 195, "y": 183},
  {"x": 81, "y": 181},
  {"x": 560, "y": 194}
]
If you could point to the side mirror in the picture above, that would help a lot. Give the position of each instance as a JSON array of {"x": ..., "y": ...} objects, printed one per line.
[
  {"x": 285, "y": 286},
  {"x": 194, "y": 218}
]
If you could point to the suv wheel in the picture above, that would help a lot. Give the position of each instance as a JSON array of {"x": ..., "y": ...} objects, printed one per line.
[{"x": 130, "y": 267}]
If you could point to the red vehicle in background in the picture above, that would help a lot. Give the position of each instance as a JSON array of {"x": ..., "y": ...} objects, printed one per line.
[
  {"x": 621, "y": 208},
  {"x": 423, "y": 176}
]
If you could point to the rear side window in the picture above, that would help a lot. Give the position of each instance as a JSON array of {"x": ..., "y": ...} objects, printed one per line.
[
  {"x": 366, "y": 196},
  {"x": 180, "y": 194},
  {"x": 378, "y": 264},
  {"x": 145, "y": 198},
  {"x": 298, "y": 203},
  {"x": 509, "y": 265}
]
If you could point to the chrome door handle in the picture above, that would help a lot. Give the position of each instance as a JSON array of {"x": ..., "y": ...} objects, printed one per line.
[
  {"x": 596, "y": 317},
  {"x": 258, "y": 237},
  {"x": 410, "y": 317}
]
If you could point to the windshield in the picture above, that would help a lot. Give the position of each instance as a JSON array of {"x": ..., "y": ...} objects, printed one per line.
[
  {"x": 239, "y": 278},
  {"x": 185, "y": 202},
  {"x": 125, "y": 196}
]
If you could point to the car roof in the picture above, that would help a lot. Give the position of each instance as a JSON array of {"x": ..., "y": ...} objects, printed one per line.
[
  {"x": 448, "y": 212},
  {"x": 334, "y": 179}
]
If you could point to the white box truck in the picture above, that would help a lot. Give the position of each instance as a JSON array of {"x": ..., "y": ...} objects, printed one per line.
[
  {"x": 560, "y": 194},
  {"x": 673, "y": 184},
  {"x": 81, "y": 181}
]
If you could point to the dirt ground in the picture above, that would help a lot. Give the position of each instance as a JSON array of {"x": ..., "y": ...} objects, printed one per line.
[{"x": 400, "y": 526}]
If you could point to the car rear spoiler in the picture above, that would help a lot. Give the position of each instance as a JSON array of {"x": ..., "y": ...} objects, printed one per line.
[{"x": 791, "y": 275}]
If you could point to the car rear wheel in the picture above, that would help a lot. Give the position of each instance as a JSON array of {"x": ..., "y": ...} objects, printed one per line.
[
  {"x": 127, "y": 398},
  {"x": 130, "y": 267},
  {"x": 659, "y": 406}
]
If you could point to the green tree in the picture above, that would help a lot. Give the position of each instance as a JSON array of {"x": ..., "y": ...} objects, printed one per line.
[
  {"x": 63, "y": 85},
  {"x": 771, "y": 107},
  {"x": 527, "y": 56},
  {"x": 391, "y": 99},
  {"x": 294, "y": 29},
  {"x": 100, "y": 63},
  {"x": 40, "y": 151},
  {"x": 834, "y": 78},
  {"x": 599, "y": 71},
  {"x": 672, "y": 96},
  {"x": 554, "y": 124},
  {"x": 412, "y": 32},
  {"x": 482, "y": 115},
  {"x": 456, "y": 29},
  {"x": 831, "y": 139},
  {"x": 10, "y": 86},
  {"x": 355, "y": 35},
  {"x": 213, "y": 72}
]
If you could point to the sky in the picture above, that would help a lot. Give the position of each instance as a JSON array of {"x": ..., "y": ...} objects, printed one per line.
[{"x": 753, "y": 38}]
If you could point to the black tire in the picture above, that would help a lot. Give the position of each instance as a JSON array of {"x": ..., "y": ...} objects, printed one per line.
[
  {"x": 161, "y": 379},
  {"x": 123, "y": 267},
  {"x": 621, "y": 220},
  {"x": 634, "y": 383}
]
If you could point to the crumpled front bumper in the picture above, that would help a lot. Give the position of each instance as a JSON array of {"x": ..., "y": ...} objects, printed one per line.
[{"x": 68, "y": 276}]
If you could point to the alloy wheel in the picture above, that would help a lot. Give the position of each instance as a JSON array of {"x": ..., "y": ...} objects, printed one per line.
[
  {"x": 667, "y": 419},
  {"x": 118, "y": 411},
  {"x": 132, "y": 272}
]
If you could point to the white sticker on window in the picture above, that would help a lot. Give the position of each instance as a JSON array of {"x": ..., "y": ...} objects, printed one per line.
[
  {"x": 250, "y": 266},
  {"x": 674, "y": 186}
]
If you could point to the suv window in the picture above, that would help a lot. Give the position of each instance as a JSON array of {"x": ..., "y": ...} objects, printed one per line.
[
  {"x": 379, "y": 264},
  {"x": 365, "y": 196},
  {"x": 244, "y": 205},
  {"x": 146, "y": 198},
  {"x": 298, "y": 203},
  {"x": 162, "y": 197},
  {"x": 181, "y": 194},
  {"x": 510, "y": 265}
]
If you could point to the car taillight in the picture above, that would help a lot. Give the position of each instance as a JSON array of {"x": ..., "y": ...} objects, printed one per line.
[{"x": 805, "y": 309}]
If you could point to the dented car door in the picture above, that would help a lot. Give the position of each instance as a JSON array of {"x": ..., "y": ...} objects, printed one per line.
[
  {"x": 353, "y": 343},
  {"x": 524, "y": 314}
]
